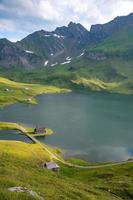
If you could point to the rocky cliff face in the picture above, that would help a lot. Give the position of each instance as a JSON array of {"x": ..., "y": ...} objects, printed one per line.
[
  {"x": 101, "y": 31},
  {"x": 43, "y": 43},
  {"x": 96, "y": 56},
  {"x": 54, "y": 47},
  {"x": 74, "y": 31},
  {"x": 43, "y": 48},
  {"x": 11, "y": 56}
]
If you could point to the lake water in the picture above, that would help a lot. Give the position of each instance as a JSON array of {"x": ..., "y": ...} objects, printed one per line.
[
  {"x": 13, "y": 135},
  {"x": 93, "y": 126}
]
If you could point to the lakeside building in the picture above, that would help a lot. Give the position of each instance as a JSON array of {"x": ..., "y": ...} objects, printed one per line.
[
  {"x": 39, "y": 130},
  {"x": 51, "y": 166}
]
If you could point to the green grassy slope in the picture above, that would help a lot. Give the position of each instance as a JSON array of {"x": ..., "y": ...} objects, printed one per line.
[
  {"x": 117, "y": 68},
  {"x": 21, "y": 166},
  {"x": 119, "y": 42},
  {"x": 108, "y": 58},
  {"x": 12, "y": 92},
  {"x": 117, "y": 72}
]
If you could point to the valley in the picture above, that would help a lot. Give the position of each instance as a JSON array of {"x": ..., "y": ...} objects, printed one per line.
[
  {"x": 79, "y": 83},
  {"x": 73, "y": 118},
  {"x": 73, "y": 57}
]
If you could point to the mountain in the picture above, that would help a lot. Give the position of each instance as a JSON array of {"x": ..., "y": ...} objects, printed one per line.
[
  {"x": 12, "y": 55},
  {"x": 54, "y": 47},
  {"x": 100, "y": 32},
  {"x": 75, "y": 32},
  {"x": 43, "y": 43},
  {"x": 9, "y": 53},
  {"x": 71, "y": 56},
  {"x": 43, "y": 48},
  {"x": 113, "y": 39}
]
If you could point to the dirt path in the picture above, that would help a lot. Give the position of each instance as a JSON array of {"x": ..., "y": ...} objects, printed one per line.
[{"x": 55, "y": 156}]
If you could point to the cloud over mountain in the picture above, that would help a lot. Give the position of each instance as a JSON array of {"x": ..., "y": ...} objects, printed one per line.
[{"x": 19, "y": 17}]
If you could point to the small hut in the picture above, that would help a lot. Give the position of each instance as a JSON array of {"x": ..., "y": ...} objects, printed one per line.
[
  {"x": 6, "y": 89},
  {"x": 39, "y": 130},
  {"x": 51, "y": 166}
]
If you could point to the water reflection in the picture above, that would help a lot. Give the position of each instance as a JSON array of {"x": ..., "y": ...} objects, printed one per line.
[
  {"x": 13, "y": 135},
  {"x": 102, "y": 154},
  {"x": 95, "y": 126}
]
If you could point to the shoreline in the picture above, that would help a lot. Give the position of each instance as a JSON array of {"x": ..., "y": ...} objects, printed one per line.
[
  {"x": 16, "y": 92},
  {"x": 21, "y": 128},
  {"x": 56, "y": 156}
]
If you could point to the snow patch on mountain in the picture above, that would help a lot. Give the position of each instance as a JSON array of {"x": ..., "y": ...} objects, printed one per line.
[
  {"x": 58, "y": 36},
  {"x": 66, "y": 62},
  {"x": 47, "y": 35},
  {"x": 27, "y": 51},
  {"x": 54, "y": 64},
  {"x": 81, "y": 54},
  {"x": 54, "y": 35},
  {"x": 68, "y": 58},
  {"x": 46, "y": 63}
]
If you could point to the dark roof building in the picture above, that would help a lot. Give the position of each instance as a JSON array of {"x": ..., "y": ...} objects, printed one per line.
[{"x": 40, "y": 130}]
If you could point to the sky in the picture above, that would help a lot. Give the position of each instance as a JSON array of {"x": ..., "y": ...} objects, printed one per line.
[{"x": 18, "y": 18}]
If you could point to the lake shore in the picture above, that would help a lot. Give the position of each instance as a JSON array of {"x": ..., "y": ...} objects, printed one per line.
[
  {"x": 71, "y": 114},
  {"x": 21, "y": 128},
  {"x": 13, "y": 92}
]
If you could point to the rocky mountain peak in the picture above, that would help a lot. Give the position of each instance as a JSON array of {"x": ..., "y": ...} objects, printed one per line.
[
  {"x": 76, "y": 26},
  {"x": 101, "y": 31},
  {"x": 53, "y": 47},
  {"x": 72, "y": 30}
]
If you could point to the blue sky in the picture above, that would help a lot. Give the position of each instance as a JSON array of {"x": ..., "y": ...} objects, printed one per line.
[{"x": 18, "y": 18}]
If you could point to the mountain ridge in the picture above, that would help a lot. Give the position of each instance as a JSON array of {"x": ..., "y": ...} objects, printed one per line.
[
  {"x": 44, "y": 48},
  {"x": 73, "y": 57}
]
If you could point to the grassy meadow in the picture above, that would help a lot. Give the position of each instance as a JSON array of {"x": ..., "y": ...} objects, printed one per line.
[
  {"x": 112, "y": 75},
  {"x": 13, "y": 92},
  {"x": 21, "y": 165}
]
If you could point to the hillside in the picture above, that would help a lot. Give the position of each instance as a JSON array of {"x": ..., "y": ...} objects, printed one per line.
[
  {"x": 120, "y": 43},
  {"x": 67, "y": 59},
  {"x": 101, "y": 31},
  {"x": 19, "y": 161},
  {"x": 116, "y": 75},
  {"x": 43, "y": 48},
  {"x": 13, "y": 92},
  {"x": 74, "y": 58}
]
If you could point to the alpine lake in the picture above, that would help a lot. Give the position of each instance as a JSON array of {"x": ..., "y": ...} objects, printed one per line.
[{"x": 97, "y": 127}]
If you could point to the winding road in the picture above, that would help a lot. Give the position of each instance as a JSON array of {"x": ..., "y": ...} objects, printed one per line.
[{"x": 56, "y": 157}]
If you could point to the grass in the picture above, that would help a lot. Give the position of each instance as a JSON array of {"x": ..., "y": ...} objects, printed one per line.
[
  {"x": 119, "y": 43},
  {"x": 21, "y": 165},
  {"x": 10, "y": 126},
  {"x": 15, "y": 126},
  {"x": 114, "y": 73},
  {"x": 13, "y": 92},
  {"x": 98, "y": 85}
]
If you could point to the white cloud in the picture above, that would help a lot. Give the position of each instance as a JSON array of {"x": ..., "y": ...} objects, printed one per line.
[
  {"x": 123, "y": 7},
  {"x": 47, "y": 11},
  {"x": 30, "y": 15},
  {"x": 6, "y": 25}
]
